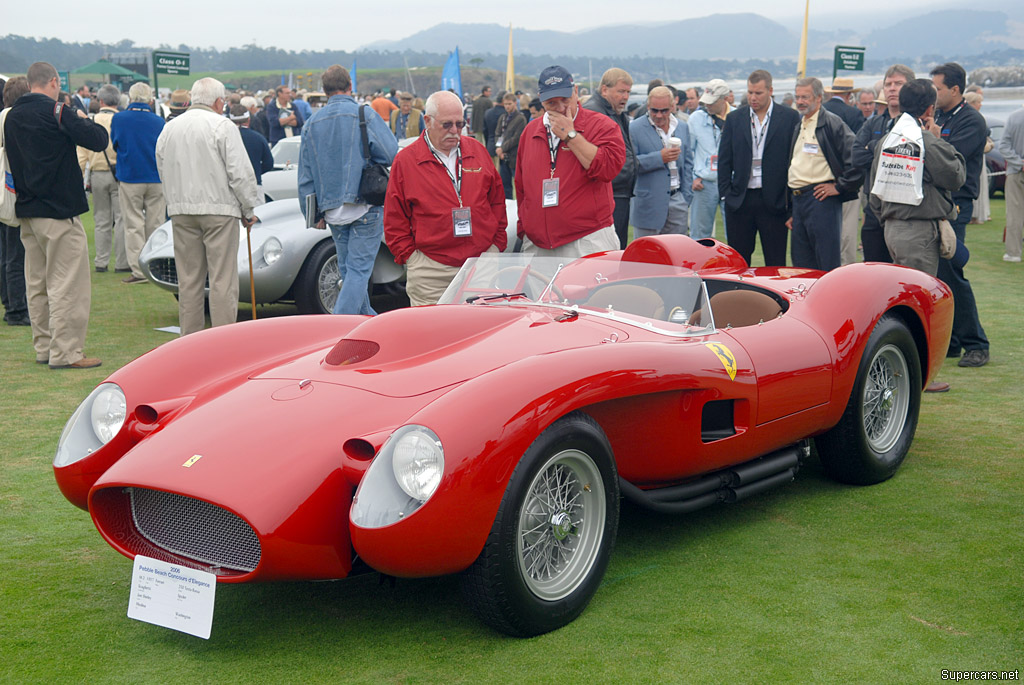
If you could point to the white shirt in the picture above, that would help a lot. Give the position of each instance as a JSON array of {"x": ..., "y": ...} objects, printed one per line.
[
  {"x": 673, "y": 166},
  {"x": 759, "y": 132}
]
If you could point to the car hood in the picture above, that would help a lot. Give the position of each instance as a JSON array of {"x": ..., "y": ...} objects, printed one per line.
[{"x": 413, "y": 351}]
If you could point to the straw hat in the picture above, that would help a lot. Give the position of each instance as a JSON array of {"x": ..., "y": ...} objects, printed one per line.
[{"x": 842, "y": 84}]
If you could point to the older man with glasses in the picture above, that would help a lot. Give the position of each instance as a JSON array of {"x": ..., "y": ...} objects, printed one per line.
[{"x": 445, "y": 202}]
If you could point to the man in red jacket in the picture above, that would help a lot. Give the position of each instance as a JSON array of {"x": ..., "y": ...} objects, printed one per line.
[
  {"x": 564, "y": 170},
  {"x": 445, "y": 202}
]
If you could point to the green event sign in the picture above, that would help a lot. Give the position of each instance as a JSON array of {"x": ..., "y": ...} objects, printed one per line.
[
  {"x": 65, "y": 81},
  {"x": 171, "y": 63},
  {"x": 848, "y": 58}
]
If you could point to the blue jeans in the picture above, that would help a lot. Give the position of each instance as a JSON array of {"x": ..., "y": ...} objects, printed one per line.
[
  {"x": 702, "y": 213},
  {"x": 968, "y": 333},
  {"x": 357, "y": 244}
]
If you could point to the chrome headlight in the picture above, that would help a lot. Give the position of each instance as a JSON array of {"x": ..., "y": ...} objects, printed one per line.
[
  {"x": 95, "y": 423},
  {"x": 158, "y": 239},
  {"x": 272, "y": 250},
  {"x": 402, "y": 477}
]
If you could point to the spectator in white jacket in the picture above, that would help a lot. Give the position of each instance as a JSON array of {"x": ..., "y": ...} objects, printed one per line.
[{"x": 209, "y": 185}]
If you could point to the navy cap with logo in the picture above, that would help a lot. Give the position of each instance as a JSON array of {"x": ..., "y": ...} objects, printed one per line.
[{"x": 554, "y": 82}]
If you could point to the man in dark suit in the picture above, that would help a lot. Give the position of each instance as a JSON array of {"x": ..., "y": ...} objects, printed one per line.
[
  {"x": 839, "y": 102},
  {"x": 753, "y": 168}
]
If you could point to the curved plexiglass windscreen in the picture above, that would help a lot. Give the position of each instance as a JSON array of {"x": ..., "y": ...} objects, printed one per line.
[{"x": 666, "y": 299}]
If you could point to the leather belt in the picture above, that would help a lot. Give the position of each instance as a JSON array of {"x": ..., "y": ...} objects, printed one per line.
[{"x": 797, "y": 192}]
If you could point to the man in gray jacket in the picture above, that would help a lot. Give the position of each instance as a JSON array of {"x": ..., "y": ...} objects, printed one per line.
[
  {"x": 209, "y": 185},
  {"x": 911, "y": 231}
]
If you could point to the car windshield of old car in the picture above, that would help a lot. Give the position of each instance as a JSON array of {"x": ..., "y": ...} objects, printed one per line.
[{"x": 670, "y": 300}]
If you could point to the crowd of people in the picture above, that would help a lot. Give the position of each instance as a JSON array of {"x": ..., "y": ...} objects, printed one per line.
[{"x": 581, "y": 168}]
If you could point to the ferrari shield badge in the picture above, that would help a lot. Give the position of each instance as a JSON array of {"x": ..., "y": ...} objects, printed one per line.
[
  {"x": 725, "y": 356},
  {"x": 196, "y": 457}
]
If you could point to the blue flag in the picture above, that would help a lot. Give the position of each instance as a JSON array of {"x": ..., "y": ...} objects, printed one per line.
[
  {"x": 451, "y": 77},
  {"x": 353, "y": 75}
]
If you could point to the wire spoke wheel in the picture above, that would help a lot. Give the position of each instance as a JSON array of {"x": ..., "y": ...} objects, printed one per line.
[
  {"x": 886, "y": 398},
  {"x": 561, "y": 525},
  {"x": 329, "y": 283}
]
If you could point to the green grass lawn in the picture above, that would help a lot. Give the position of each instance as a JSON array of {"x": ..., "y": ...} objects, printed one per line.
[{"x": 812, "y": 582}]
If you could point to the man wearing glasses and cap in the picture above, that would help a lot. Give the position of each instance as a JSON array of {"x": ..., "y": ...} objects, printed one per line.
[
  {"x": 445, "y": 202},
  {"x": 564, "y": 170}
]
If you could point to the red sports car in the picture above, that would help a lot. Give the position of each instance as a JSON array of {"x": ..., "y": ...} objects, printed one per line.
[{"x": 493, "y": 436}]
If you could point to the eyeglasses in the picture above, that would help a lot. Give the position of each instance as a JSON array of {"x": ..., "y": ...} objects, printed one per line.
[
  {"x": 446, "y": 125},
  {"x": 658, "y": 110}
]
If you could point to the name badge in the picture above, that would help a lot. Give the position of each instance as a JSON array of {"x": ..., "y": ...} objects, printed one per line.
[
  {"x": 811, "y": 148},
  {"x": 714, "y": 162},
  {"x": 549, "y": 193},
  {"x": 755, "y": 167},
  {"x": 462, "y": 222},
  {"x": 497, "y": 143}
]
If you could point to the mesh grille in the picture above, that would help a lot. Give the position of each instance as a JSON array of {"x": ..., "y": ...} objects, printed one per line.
[
  {"x": 164, "y": 271},
  {"x": 195, "y": 529}
]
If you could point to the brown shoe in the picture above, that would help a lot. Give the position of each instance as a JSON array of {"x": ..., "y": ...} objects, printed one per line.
[
  {"x": 937, "y": 386},
  {"x": 83, "y": 363}
]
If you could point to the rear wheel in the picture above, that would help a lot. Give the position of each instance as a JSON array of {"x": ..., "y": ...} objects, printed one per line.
[
  {"x": 872, "y": 438},
  {"x": 553, "y": 535},
  {"x": 316, "y": 288}
]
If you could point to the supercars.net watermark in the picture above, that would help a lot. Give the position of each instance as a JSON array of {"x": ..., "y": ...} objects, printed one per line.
[{"x": 947, "y": 674}]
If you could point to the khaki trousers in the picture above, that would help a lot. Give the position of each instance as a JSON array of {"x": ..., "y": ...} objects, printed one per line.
[
  {"x": 206, "y": 246},
  {"x": 602, "y": 240},
  {"x": 427, "y": 279},
  {"x": 109, "y": 230},
  {"x": 848, "y": 235},
  {"x": 142, "y": 210},
  {"x": 58, "y": 287},
  {"x": 1014, "y": 213}
]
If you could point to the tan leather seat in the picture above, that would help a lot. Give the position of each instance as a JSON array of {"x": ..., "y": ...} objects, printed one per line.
[
  {"x": 630, "y": 299},
  {"x": 737, "y": 308}
]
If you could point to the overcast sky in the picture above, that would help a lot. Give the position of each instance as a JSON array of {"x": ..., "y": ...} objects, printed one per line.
[{"x": 329, "y": 24}]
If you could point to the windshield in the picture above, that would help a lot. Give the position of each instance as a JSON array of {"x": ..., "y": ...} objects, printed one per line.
[{"x": 666, "y": 299}]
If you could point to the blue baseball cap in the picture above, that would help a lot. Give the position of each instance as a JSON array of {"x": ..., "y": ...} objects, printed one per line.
[{"x": 554, "y": 82}]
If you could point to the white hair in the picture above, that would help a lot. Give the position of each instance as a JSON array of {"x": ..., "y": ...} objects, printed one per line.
[
  {"x": 109, "y": 95},
  {"x": 207, "y": 91},
  {"x": 435, "y": 99},
  {"x": 248, "y": 102},
  {"x": 140, "y": 92}
]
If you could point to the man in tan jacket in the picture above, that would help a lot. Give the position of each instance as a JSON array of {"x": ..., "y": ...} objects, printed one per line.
[
  {"x": 109, "y": 230},
  {"x": 209, "y": 185}
]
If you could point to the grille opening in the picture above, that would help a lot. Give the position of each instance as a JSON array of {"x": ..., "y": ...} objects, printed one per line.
[
  {"x": 195, "y": 529},
  {"x": 717, "y": 421},
  {"x": 357, "y": 448}
]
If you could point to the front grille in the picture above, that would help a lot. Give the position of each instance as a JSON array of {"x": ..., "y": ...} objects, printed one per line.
[
  {"x": 164, "y": 270},
  {"x": 195, "y": 529}
]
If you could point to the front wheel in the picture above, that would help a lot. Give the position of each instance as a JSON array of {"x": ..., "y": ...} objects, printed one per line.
[
  {"x": 872, "y": 438},
  {"x": 553, "y": 535},
  {"x": 316, "y": 288}
]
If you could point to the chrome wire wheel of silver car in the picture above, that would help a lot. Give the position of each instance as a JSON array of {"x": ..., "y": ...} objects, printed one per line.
[
  {"x": 561, "y": 525},
  {"x": 877, "y": 427},
  {"x": 886, "y": 398},
  {"x": 553, "y": 534},
  {"x": 328, "y": 283}
]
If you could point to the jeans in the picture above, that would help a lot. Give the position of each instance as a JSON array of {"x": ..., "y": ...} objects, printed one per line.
[
  {"x": 357, "y": 244},
  {"x": 702, "y": 213},
  {"x": 12, "y": 273},
  {"x": 967, "y": 331}
]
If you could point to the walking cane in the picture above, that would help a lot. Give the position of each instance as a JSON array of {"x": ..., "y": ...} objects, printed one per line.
[{"x": 252, "y": 282}]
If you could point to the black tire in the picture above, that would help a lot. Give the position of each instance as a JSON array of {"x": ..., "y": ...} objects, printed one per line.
[
  {"x": 544, "y": 559},
  {"x": 872, "y": 438},
  {"x": 314, "y": 293}
]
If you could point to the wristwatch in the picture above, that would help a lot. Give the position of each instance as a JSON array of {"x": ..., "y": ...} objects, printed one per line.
[{"x": 570, "y": 135}]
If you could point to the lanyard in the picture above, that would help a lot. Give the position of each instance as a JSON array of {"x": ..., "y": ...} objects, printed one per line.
[
  {"x": 456, "y": 178},
  {"x": 553, "y": 149},
  {"x": 952, "y": 115},
  {"x": 759, "y": 137}
]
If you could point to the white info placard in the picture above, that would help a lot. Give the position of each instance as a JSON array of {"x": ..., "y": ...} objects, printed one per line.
[{"x": 174, "y": 597}]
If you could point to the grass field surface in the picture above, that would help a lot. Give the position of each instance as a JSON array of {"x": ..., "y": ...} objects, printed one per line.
[{"x": 811, "y": 582}]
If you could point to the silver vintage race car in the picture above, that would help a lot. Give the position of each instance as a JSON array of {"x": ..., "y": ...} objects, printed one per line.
[{"x": 291, "y": 263}]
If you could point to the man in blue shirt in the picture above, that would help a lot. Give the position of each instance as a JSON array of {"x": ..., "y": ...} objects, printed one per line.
[
  {"x": 133, "y": 133},
  {"x": 705, "y": 135},
  {"x": 256, "y": 145}
]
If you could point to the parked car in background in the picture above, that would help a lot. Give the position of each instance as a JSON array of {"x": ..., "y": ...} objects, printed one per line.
[{"x": 994, "y": 160}]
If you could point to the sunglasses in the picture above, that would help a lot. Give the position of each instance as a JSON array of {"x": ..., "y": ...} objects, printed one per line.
[
  {"x": 446, "y": 125},
  {"x": 657, "y": 110}
]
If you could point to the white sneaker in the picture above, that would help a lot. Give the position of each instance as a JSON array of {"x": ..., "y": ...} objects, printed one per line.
[{"x": 1008, "y": 258}]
